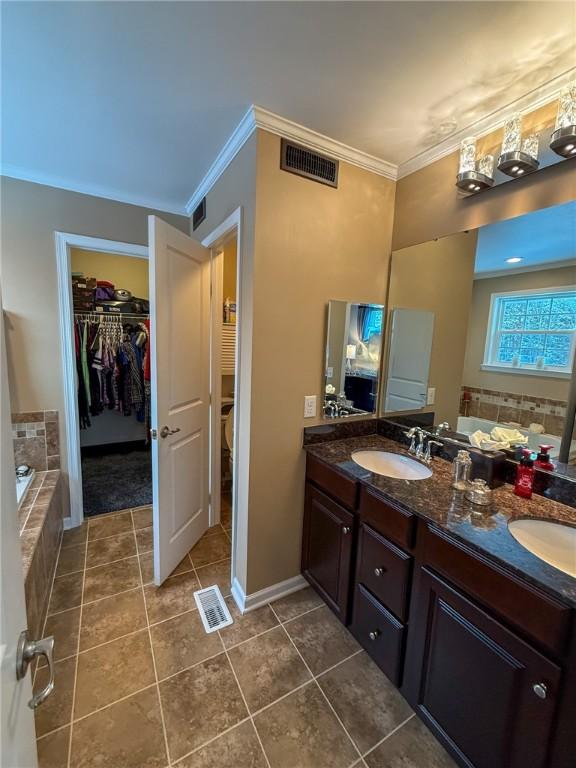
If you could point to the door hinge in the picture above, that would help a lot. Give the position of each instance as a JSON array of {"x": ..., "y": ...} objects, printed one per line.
[{"x": 154, "y": 434}]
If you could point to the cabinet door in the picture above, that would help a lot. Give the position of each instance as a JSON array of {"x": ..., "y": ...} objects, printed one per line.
[
  {"x": 481, "y": 688},
  {"x": 327, "y": 549}
]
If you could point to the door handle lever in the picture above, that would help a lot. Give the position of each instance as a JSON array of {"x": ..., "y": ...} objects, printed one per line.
[
  {"x": 165, "y": 431},
  {"x": 27, "y": 651}
]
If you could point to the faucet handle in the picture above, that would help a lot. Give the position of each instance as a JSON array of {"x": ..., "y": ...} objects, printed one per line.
[{"x": 429, "y": 444}]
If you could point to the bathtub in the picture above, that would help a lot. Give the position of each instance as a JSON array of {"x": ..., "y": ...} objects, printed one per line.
[
  {"x": 466, "y": 425},
  {"x": 22, "y": 485}
]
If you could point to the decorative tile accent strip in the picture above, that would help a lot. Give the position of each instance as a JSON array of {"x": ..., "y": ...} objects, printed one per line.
[
  {"x": 36, "y": 439},
  {"x": 508, "y": 407}
]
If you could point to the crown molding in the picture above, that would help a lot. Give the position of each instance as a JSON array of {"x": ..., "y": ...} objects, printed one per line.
[
  {"x": 258, "y": 117},
  {"x": 238, "y": 138},
  {"x": 281, "y": 126},
  {"x": 47, "y": 180},
  {"x": 537, "y": 98}
]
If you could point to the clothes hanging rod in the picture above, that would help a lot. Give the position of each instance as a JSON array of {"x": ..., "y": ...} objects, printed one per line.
[{"x": 109, "y": 315}]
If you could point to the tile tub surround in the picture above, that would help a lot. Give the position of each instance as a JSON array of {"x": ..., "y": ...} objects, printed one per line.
[
  {"x": 40, "y": 523},
  {"x": 506, "y": 406},
  {"x": 36, "y": 439},
  {"x": 483, "y": 529},
  {"x": 139, "y": 682}
]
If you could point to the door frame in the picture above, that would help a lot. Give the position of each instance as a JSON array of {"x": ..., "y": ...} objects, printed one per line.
[
  {"x": 64, "y": 242},
  {"x": 215, "y": 241}
]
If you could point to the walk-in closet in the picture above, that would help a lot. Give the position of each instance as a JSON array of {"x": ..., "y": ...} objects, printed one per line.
[
  {"x": 111, "y": 332},
  {"x": 228, "y": 365}
]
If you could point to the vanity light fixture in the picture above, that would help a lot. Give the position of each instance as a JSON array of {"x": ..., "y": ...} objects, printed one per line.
[
  {"x": 563, "y": 139},
  {"x": 473, "y": 177},
  {"x": 517, "y": 157}
]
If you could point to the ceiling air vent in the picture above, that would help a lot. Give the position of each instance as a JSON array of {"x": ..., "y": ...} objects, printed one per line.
[
  {"x": 311, "y": 165},
  {"x": 199, "y": 214}
]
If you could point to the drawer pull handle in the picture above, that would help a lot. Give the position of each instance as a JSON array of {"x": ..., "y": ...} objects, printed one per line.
[
  {"x": 540, "y": 690},
  {"x": 379, "y": 571},
  {"x": 345, "y": 529},
  {"x": 374, "y": 635}
]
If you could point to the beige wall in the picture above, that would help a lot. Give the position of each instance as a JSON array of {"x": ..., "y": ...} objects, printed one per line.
[
  {"x": 123, "y": 271},
  {"x": 437, "y": 276},
  {"x": 428, "y": 205},
  {"x": 30, "y": 214},
  {"x": 520, "y": 384},
  {"x": 229, "y": 275},
  {"x": 313, "y": 243}
]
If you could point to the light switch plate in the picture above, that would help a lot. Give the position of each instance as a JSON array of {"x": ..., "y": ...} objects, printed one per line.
[
  {"x": 329, "y": 372},
  {"x": 431, "y": 397},
  {"x": 309, "y": 406}
]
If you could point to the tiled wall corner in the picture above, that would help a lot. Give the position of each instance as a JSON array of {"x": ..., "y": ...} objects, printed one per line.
[
  {"x": 508, "y": 407},
  {"x": 36, "y": 439}
]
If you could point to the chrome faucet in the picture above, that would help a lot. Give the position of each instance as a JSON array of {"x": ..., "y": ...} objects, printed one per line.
[
  {"x": 418, "y": 438},
  {"x": 428, "y": 454},
  {"x": 441, "y": 428},
  {"x": 411, "y": 433}
]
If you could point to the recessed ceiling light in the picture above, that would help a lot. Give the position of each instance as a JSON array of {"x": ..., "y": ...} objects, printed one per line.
[
  {"x": 514, "y": 260},
  {"x": 514, "y": 169}
]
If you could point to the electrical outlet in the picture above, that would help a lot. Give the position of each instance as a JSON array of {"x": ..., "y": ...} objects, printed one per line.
[
  {"x": 309, "y": 406},
  {"x": 431, "y": 397},
  {"x": 329, "y": 372}
]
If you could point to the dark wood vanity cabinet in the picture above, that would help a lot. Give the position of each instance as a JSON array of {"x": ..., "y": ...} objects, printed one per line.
[
  {"x": 487, "y": 660},
  {"x": 477, "y": 684},
  {"x": 329, "y": 530}
]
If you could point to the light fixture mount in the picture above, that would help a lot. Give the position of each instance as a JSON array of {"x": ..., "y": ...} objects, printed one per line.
[
  {"x": 563, "y": 141},
  {"x": 517, "y": 163},
  {"x": 473, "y": 181}
]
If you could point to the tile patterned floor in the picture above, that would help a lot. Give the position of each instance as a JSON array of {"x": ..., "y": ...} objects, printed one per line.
[{"x": 139, "y": 684}]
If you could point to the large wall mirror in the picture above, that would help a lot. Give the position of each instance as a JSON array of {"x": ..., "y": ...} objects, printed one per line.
[
  {"x": 353, "y": 354},
  {"x": 502, "y": 348}
]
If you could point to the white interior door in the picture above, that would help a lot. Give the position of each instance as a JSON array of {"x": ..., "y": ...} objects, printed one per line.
[
  {"x": 18, "y": 738},
  {"x": 180, "y": 378},
  {"x": 411, "y": 336}
]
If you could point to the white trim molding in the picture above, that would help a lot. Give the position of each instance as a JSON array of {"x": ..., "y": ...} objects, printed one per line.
[
  {"x": 247, "y": 603},
  {"x": 258, "y": 117},
  {"x": 537, "y": 98},
  {"x": 70, "y": 421}
]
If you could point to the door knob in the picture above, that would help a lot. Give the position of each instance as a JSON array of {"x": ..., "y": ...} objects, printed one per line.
[
  {"x": 540, "y": 690},
  {"x": 165, "y": 431},
  {"x": 28, "y": 650}
]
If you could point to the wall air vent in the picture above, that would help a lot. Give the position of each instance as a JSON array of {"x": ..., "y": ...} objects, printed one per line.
[
  {"x": 311, "y": 165},
  {"x": 199, "y": 214}
]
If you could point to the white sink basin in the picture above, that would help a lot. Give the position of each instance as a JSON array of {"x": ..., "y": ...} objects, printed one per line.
[
  {"x": 391, "y": 465},
  {"x": 552, "y": 542}
]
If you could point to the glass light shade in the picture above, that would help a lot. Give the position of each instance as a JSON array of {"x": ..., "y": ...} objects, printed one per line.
[
  {"x": 530, "y": 145},
  {"x": 467, "y": 155},
  {"x": 512, "y": 134},
  {"x": 486, "y": 165},
  {"x": 567, "y": 107}
]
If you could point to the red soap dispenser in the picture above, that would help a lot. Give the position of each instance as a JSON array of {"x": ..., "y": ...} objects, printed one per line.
[
  {"x": 525, "y": 475},
  {"x": 543, "y": 458}
]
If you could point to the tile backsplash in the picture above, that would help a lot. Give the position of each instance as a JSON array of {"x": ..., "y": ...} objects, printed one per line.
[
  {"x": 36, "y": 439},
  {"x": 509, "y": 407}
]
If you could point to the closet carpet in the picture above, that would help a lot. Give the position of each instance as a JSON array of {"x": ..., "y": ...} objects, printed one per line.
[{"x": 115, "y": 481}]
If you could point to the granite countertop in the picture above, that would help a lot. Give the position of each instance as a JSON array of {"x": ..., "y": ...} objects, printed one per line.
[{"x": 482, "y": 528}]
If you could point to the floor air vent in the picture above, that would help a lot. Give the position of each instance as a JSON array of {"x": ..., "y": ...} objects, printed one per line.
[
  {"x": 212, "y": 608},
  {"x": 311, "y": 165}
]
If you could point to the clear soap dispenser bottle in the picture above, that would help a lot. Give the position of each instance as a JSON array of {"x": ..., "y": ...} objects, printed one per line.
[{"x": 461, "y": 471}]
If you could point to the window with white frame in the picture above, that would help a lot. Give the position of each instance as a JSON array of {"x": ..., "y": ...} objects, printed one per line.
[{"x": 532, "y": 331}]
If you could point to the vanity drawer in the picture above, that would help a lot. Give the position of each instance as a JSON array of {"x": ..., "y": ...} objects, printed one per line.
[
  {"x": 384, "y": 570},
  {"x": 380, "y": 633},
  {"x": 336, "y": 485},
  {"x": 392, "y": 522},
  {"x": 540, "y": 617}
]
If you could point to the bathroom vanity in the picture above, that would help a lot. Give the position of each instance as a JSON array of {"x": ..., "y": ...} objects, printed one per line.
[{"x": 476, "y": 632}]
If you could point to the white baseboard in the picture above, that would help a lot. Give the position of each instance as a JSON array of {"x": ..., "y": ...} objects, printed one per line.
[{"x": 247, "y": 603}]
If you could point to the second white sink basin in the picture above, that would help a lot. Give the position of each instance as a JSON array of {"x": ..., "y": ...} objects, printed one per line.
[
  {"x": 552, "y": 542},
  {"x": 391, "y": 465}
]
